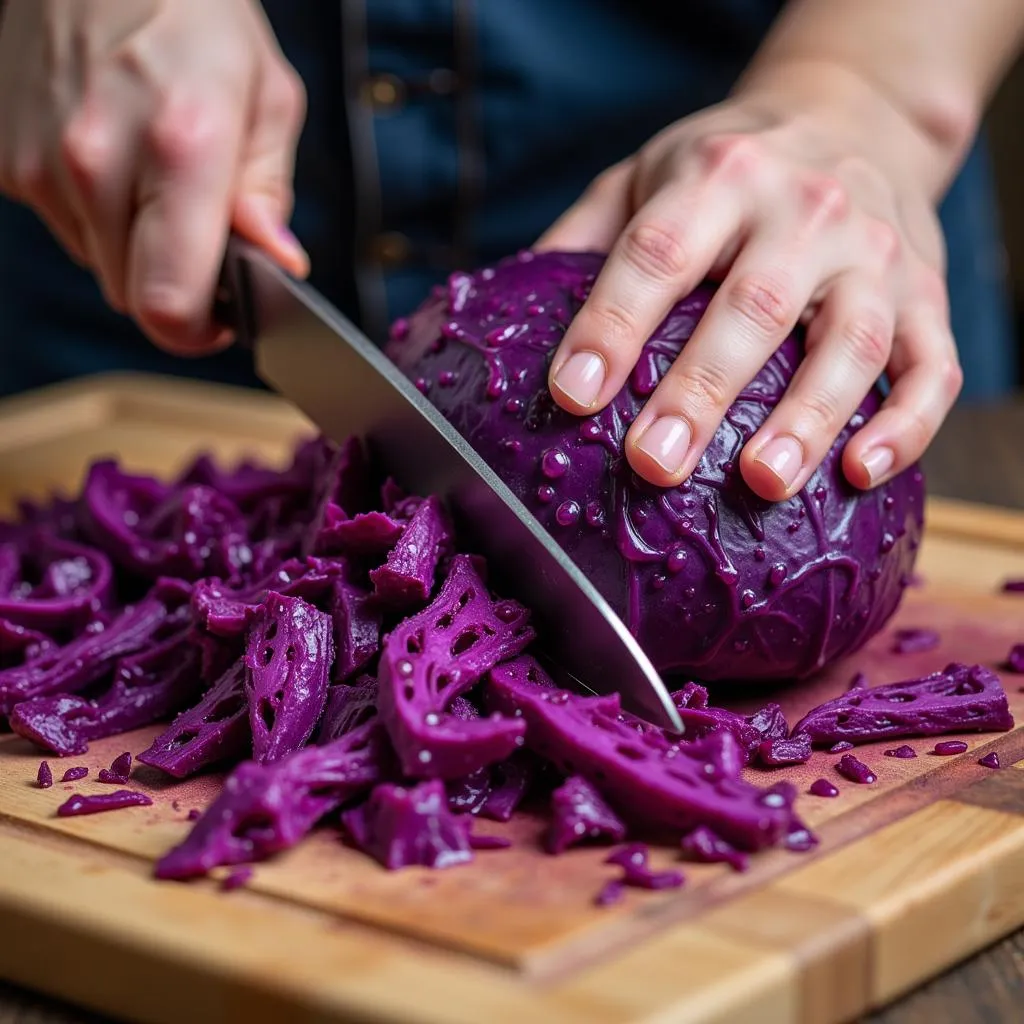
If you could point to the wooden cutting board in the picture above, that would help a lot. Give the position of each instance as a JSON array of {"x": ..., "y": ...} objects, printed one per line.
[{"x": 912, "y": 874}]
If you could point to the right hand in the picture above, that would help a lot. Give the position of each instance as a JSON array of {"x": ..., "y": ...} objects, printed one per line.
[{"x": 142, "y": 132}]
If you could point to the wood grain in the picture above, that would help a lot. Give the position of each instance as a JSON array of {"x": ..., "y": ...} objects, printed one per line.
[{"x": 912, "y": 874}]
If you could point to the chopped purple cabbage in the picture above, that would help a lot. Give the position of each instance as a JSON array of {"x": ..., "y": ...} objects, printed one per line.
[
  {"x": 402, "y": 827},
  {"x": 636, "y": 871},
  {"x": 1015, "y": 659},
  {"x": 702, "y": 845},
  {"x": 904, "y": 752},
  {"x": 86, "y": 659},
  {"x": 511, "y": 780},
  {"x": 794, "y": 750},
  {"x": 119, "y": 770},
  {"x": 644, "y": 779},
  {"x": 154, "y": 529},
  {"x": 823, "y": 787},
  {"x": 215, "y": 730},
  {"x": 855, "y": 770},
  {"x": 915, "y": 641},
  {"x": 1013, "y": 587},
  {"x": 990, "y": 760},
  {"x": 957, "y": 699},
  {"x": 611, "y": 892},
  {"x": 148, "y": 685},
  {"x": 950, "y": 748},
  {"x": 44, "y": 776},
  {"x": 265, "y": 808},
  {"x": 438, "y": 654},
  {"x": 75, "y": 774},
  {"x": 348, "y": 706},
  {"x": 64, "y": 585},
  {"x": 372, "y": 706},
  {"x": 236, "y": 879},
  {"x": 226, "y": 611},
  {"x": 288, "y": 658},
  {"x": 578, "y": 814},
  {"x": 357, "y": 618},
  {"x": 406, "y": 579},
  {"x": 96, "y": 804},
  {"x": 836, "y": 748}
]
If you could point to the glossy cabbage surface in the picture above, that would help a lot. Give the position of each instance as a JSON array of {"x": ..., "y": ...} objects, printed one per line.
[{"x": 712, "y": 580}]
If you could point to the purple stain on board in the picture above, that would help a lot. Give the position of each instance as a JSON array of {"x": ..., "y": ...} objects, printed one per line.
[
  {"x": 822, "y": 787},
  {"x": 949, "y": 748},
  {"x": 75, "y": 774},
  {"x": 856, "y": 771},
  {"x": 990, "y": 760},
  {"x": 905, "y": 752},
  {"x": 80, "y": 804},
  {"x": 44, "y": 777},
  {"x": 194, "y": 815}
]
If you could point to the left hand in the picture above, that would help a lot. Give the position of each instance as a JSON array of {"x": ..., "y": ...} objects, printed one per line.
[{"x": 807, "y": 203}]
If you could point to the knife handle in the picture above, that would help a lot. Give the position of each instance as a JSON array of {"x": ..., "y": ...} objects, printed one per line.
[{"x": 233, "y": 305}]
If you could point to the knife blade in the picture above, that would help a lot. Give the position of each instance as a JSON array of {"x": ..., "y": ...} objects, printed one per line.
[{"x": 309, "y": 352}]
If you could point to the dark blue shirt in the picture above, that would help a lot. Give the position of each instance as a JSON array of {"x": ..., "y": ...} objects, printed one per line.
[{"x": 443, "y": 134}]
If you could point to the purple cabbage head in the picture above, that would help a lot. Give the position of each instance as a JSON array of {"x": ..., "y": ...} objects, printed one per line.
[{"x": 712, "y": 580}]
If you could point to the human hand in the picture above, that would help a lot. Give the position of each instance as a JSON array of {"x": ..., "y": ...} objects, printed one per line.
[
  {"x": 804, "y": 200},
  {"x": 142, "y": 133}
]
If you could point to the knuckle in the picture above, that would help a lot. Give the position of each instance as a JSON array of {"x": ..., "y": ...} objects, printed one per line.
[
  {"x": 951, "y": 375},
  {"x": 656, "y": 250},
  {"x": 698, "y": 389},
  {"x": 763, "y": 303},
  {"x": 729, "y": 155},
  {"x": 185, "y": 132},
  {"x": 608, "y": 183},
  {"x": 87, "y": 150},
  {"x": 819, "y": 414},
  {"x": 825, "y": 198},
  {"x": 289, "y": 95},
  {"x": 611, "y": 325},
  {"x": 869, "y": 339},
  {"x": 884, "y": 241}
]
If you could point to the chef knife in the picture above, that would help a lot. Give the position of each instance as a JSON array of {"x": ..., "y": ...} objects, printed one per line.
[{"x": 310, "y": 353}]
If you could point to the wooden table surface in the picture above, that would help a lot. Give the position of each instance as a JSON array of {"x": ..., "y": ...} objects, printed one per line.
[{"x": 978, "y": 456}]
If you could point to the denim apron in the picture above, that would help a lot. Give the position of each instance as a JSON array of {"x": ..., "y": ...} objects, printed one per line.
[{"x": 443, "y": 134}]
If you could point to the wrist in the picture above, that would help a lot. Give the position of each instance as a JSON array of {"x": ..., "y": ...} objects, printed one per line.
[{"x": 864, "y": 118}]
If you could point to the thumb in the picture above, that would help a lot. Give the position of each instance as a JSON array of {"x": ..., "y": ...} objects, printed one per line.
[{"x": 264, "y": 193}]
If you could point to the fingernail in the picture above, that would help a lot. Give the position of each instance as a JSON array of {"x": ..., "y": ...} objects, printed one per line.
[
  {"x": 666, "y": 441},
  {"x": 783, "y": 457},
  {"x": 878, "y": 462},
  {"x": 581, "y": 378}
]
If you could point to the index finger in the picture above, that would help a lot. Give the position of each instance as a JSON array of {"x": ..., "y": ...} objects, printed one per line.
[
  {"x": 663, "y": 254},
  {"x": 180, "y": 230}
]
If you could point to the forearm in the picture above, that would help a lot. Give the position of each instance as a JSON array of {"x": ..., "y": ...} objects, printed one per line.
[{"x": 934, "y": 64}]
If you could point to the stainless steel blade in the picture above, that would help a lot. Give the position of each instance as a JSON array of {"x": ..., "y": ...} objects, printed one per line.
[{"x": 310, "y": 353}]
